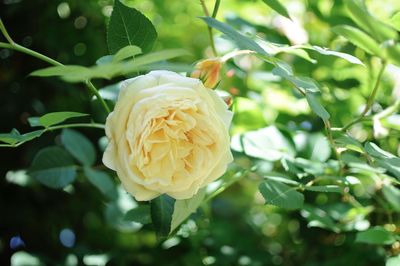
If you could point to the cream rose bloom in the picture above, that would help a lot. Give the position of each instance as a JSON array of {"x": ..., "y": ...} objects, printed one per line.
[{"x": 167, "y": 134}]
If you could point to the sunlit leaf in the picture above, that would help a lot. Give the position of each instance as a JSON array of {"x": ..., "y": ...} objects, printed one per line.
[
  {"x": 14, "y": 138},
  {"x": 358, "y": 38},
  {"x": 126, "y": 52},
  {"x": 243, "y": 42},
  {"x": 184, "y": 208},
  {"x": 278, "y": 7},
  {"x": 325, "y": 51},
  {"x": 128, "y": 26},
  {"x": 377, "y": 29},
  {"x": 51, "y": 119}
]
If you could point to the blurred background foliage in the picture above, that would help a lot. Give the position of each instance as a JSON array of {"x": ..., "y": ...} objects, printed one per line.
[{"x": 80, "y": 226}]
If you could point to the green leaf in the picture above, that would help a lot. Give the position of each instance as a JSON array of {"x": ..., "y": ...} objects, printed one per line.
[
  {"x": 327, "y": 188},
  {"x": 392, "y": 195},
  {"x": 395, "y": 21},
  {"x": 162, "y": 209},
  {"x": 285, "y": 71},
  {"x": 281, "y": 178},
  {"x": 126, "y": 52},
  {"x": 239, "y": 39},
  {"x": 318, "y": 217},
  {"x": 278, "y": 7},
  {"x": 107, "y": 59},
  {"x": 153, "y": 58},
  {"x": 316, "y": 106},
  {"x": 56, "y": 71},
  {"x": 79, "y": 146},
  {"x": 53, "y": 167},
  {"x": 358, "y": 38},
  {"x": 101, "y": 181},
  {"x": 376, "y": 236},
  {"x": 325, "y": 51},
  {"x": 140, "y": 214},
  {"x": 128, "y": 26},
  {"x": 318, "y": 148},
  {"x": 373, "y": 150},
  {"x": 348, "y": 142},
  {"x": 393, "y": 261},
  {"x": 108, "y": 70},
  {"x": 183, "y": 208},
  {"x": 51, "y": 119},
  {"x": 377, "y": 29},
  {"x": 266, "y": 143},
  {"x": 14, "y": 138},
  {"x": 281, "y": 195}
]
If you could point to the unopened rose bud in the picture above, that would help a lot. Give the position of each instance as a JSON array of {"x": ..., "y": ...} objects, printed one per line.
[{"x": 208, "y": 71}]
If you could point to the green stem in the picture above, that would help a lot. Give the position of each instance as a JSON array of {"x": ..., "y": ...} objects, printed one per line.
[
  {"x": 14, "y": 46},
  {"x": 85, "y": 125},
  {"x": 332, "y": 143},
  {"x": 209, "y": 29},
  {"x": 93, "y": 89},
  {"x": 216, "y": 7},
  {"x": 30, "y": 52},
  {"x": 5, "y": 33},
  {"x": 370, "y": 100}
]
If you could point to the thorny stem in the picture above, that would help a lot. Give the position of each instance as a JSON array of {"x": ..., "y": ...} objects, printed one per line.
[
  {"x": 14, "y": 46},
  {"x": 370, "y": 100}
]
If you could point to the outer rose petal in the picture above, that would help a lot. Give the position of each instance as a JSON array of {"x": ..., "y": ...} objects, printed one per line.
[{"x": 181, "y": 106}]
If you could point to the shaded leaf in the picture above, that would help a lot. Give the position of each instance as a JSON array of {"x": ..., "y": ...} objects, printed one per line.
[
  {"x": 376, "y": 236},
  {"x": 316, "y": 106},
  {"x": 327, "y": 188},
  {"x": 162, "y": 209},
  {"x": 53, "y": 167},
  {"x": 101, "y": 181},
  {"x": 140, "y": 214},
  {"x": 281, "y": 195},
  {"x": 79, "y": 146},
  {"x": 392, "y": 195}
]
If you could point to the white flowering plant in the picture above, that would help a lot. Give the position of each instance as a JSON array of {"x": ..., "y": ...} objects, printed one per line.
[{"x": 176, "y": 135}]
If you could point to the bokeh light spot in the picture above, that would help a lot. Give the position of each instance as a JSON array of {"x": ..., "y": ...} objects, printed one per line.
[
  {"x": 67, "y": 237},
  {"x": 63, "y": 10}
]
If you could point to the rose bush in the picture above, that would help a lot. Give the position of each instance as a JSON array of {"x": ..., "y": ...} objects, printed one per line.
[{"x": 167, "y": 134}]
